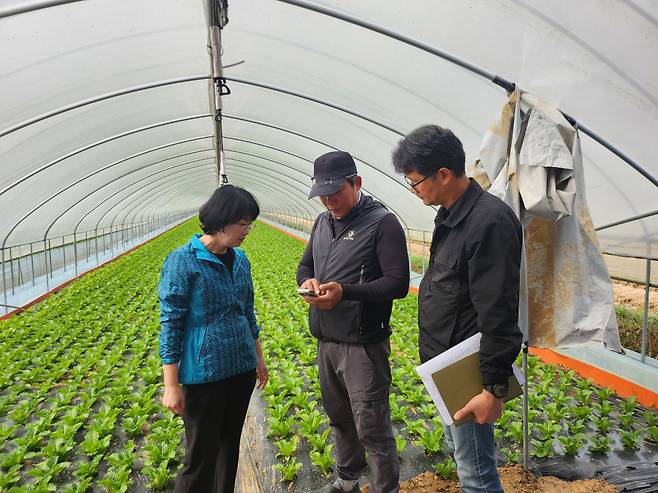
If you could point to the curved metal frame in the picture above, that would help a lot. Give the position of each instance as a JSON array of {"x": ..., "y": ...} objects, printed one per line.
[
  {"x": 156, "y": 189},
  {"x": 132, "y": 210},
  {"x": 314, "y": 100},
  {"x": 102, "y": 97},
  {"x": 71, "y": 185},
  {"x": 166, "y": 195},
  {"x": 259, "y": 170},
  {"x": 507, "y": 85},
  {"x": 112, "y": 197},
  {"x": 96, "y": 144},
  {"x": 126, "y": 187},
  {"x": 43, "y": 4},
  {"x": 499, "y": 81},
  {"x": 270, "y": 160},
  {"x": 309, "y": 161},
  {"x": 297, "y": 205},
  {"x": 284, "y": 207},
  {"x": 317, "y": 141},
  {"x": 164, "y": 198},
  {"x": 132, "y": 197},
  {"x": 309, "y": 187}
]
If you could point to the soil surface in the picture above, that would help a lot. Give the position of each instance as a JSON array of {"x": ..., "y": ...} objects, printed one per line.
[
  {"x": 632, "y": 295},
  {"x": 514, "y": 481}
]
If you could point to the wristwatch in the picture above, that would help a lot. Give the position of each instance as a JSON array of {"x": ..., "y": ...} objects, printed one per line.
[{"x": 499, "y": 390}]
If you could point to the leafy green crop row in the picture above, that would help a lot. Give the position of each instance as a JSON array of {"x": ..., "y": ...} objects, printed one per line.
[
  {"x": 568, "y": 415},
  {"x": 80, "y": 382},
  {"x": 79, "y": 391}
]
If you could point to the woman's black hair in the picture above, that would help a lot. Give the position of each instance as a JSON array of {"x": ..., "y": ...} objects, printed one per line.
[{"x": 227, "y": 205}]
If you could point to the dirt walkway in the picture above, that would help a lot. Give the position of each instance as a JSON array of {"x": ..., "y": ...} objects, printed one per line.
[{"x": 514, "y": 481}]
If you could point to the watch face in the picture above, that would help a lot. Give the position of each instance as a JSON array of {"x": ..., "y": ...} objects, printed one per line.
[{"x": 500, "y": 390}]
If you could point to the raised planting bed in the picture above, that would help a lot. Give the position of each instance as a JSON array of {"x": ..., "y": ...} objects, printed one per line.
[
  {"x": 572, "y": 422},
  {"x": 81, "y": 384}
]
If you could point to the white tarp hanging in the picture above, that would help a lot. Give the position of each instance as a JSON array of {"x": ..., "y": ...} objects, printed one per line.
[{"x": 531, "y": 158}]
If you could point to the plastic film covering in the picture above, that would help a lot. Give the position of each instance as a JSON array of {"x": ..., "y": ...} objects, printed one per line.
[
  {"x": 137, "y": 128},
  {"x": 303, "y": 83},
  {"x": 588, "y": 59}
]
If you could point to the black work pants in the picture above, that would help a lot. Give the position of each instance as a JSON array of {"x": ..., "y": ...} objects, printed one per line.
[{"x": 214, "y": 414}]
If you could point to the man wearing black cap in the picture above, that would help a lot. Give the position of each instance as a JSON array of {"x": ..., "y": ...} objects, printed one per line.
[{"x": 356, "y": 262}]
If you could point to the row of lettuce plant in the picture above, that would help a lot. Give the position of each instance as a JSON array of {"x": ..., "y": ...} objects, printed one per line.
[
  {"x": 79, "y": 394},
  {"x": 568, "y": 415}
]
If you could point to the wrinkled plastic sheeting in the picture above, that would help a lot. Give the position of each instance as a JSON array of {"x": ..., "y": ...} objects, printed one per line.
[{"x": 531, "y": 158}]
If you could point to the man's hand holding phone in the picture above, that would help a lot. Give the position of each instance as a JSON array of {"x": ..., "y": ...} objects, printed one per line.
[
  {"x": 327, "y": 295},
  {"x": 312, "y": 286}
]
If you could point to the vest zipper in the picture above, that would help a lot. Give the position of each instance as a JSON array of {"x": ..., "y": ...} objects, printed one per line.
[{"x": 363, "y": 266}]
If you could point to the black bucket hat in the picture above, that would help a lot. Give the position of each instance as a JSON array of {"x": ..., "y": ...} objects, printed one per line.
[{"x": 330, "y": 171}]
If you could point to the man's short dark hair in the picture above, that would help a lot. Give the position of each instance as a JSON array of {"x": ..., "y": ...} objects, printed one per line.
[
  {"x": 227, "y": 205},
  {"x": 351, "y": 180},
  {"x": 427, "y": 149}
]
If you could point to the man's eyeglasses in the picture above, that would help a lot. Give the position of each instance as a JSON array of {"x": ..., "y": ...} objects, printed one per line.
[
  {"x": 329, "y": 181},
  {"x": 413, "y": 184}
]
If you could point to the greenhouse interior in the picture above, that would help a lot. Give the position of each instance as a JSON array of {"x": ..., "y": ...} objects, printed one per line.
[{"x": 118, "y": 121}]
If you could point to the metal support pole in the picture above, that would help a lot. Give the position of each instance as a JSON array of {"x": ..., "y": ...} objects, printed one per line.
[
  {"x": 645, "y": 321},
  {"x": 34, "y": 274},
  {"x": 45, "y": 260},
  {"x": 50, "y": 257},
  {"x": 20, "y": 269},
  {"x": 11, "y": 271},
  {"x": 75, "y": 252},
  {"x": 111, "y": 242},
  {"x": 526, "y": 452},
  {"x": 4, "y": 280},
  {"x": 96, "y": 247},
  {"x": 64, "y": 251}
]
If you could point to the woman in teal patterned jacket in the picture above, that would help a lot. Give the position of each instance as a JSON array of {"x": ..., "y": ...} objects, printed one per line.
[{"x": 209, "y": 343}]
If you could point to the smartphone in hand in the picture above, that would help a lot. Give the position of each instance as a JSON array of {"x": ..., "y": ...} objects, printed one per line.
[{"x": 306, "y": 292}]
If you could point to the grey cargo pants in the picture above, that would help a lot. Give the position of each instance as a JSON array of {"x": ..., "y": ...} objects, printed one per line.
[{"x": 355, "y": 381}]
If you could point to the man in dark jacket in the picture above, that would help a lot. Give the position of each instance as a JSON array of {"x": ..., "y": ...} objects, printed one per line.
[
  {"x": 471, "y": 286},
  {"x": 355, "y": 264}
]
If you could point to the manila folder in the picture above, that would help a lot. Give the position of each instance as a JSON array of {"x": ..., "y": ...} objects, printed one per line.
[{"x": 453, "y": 378}]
